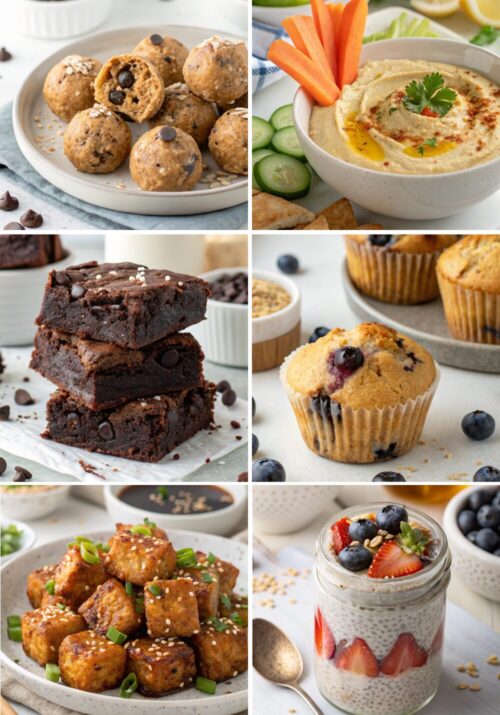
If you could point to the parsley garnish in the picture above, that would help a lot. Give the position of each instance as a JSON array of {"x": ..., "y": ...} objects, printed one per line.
[
  {"x": 487, "y": 35},
  {"x": 432, "y": 142},
  {"x": 430, "y": 94}
]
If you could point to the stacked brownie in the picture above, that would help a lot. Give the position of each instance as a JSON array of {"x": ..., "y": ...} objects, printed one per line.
[
  {"x": 129, "y": 383},
  {"x": 29, "y": 251}
]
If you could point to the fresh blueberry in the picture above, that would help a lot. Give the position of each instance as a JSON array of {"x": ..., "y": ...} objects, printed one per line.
[
  {"x": 388, "y": 477},
  {"x": 288, "y": 264},
  {"x": 348, "y": 358},
  {"x": 389, "y": 518},
  {"x": 255, "y": 444},
  {"x": 254, "y": 407},
  {"x": 478, "y": 425},
  {"x": 380, "y": 240},
  {"x": 487, "y": 474},
  {"x": 467, "y": 521},
  {"x": 268, "y": 470},
  {"x": 472, "y": 536},
  {"x": 479, "y": 497},
  {"x": 488, "y": 516},
  {"x": 318, "y": 333},
  {"x": 487, "y": 540},
  {"x": 355, "y": 558},
  {"x": 363, "y": 529}
]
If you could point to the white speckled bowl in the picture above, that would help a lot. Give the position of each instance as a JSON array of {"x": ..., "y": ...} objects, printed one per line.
[
  {"x": 478, "y": 569},
  {"x": 33, "y": 504},
  {"x": 229, "y": 699},
  {"x": 285, "y": 508}
]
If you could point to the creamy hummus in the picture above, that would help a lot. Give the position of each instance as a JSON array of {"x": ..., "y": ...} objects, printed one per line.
[{"x": 370, "y": 126}]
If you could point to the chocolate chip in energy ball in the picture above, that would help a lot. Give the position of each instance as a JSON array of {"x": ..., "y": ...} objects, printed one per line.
[
  {"x": 8, "y": 202},
  {"x": 167, "y": 134},
  {"x": 13, "y": 226},
  {"x": 169, "y": 358},
  {"x": 5, "y": 55},
  {"x": 4, "y": 413},
  {"x": 126, "y": 79},
  {"x": 22, "y": 475},
  {"x": 3, "y": 465},
  {"x": 23, "y": 398},
  {"x": 156, "y": 39},
  {"x": 106, "y": 431},
  {"x": 228, "y": 397},
  {"x": 31, "y": 219},
  {"x": 116, "y": 97}
]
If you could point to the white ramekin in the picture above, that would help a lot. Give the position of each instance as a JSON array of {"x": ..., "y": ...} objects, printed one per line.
[
  {"x": 283, "y": 321},
  {"x": 21, "y": 293},
  {"x": 224, "y": 333},
  {"x": 57, "y": 20}
]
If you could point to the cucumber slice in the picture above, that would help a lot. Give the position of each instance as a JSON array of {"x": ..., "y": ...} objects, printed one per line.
[
  {"x": 286, "y": 141},
  {"x": 283, "y": 176},
  {"x": 282, "y": 117},
  {"x": 257, "y": 156},
  {"x": 262, "y": 133}
]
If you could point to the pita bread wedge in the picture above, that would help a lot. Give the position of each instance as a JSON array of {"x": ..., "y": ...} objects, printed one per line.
[
  {"x": 340, "y": 215},
  {"x": 273, "y": 212},
  {"x": 370, "y": 227},
  {"x": 319, "y": 224}
]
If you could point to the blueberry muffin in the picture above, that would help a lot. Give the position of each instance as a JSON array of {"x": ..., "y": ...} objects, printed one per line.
[
  {"x": 360, "y": 395},
  {"x": 69, "y": 85},
  {"x": 217, "y": 70},
  {"x": 469, "y": 281},
  {"x": 396, "y": 269},
  {"x": 97, "y": 141},
  {"x": 183, "y": 109},
  {"x": 166, "y": 53},
  {"x": 228, "y": 141}
]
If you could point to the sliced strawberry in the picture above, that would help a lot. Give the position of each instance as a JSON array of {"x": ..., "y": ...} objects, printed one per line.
[
  {"x": 323, "y": 638},
  {"x": 357, "y": 658},
  {"x": 391, "y": 561},
  {"x": 426, "y": 112},
  {"x": 340, "y": 535},
  {"x": 437, "y": 641},
  {"x": 404, "y": 654}
]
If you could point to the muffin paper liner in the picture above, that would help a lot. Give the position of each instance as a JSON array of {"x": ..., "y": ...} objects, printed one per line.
[
  {"x": 471, "y": 315},
  {"x": 405, "y": 278},
  {"x": 360, "y": 436}
]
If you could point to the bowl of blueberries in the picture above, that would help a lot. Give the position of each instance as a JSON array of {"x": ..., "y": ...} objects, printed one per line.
[{"x": 472, "y": 524}]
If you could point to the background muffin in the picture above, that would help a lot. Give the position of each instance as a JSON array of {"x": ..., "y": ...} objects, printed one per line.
[
  {"x": 469, "y": 281},
  {"x": 362, "y": 395},
  {"x": 396, "y": 269}
]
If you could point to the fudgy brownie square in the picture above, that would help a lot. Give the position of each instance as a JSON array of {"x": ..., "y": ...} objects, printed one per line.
[
  {"x": 145, "y": 430},
  {"x": 102, "y": 375},
  {"x": 29, "y": 251},
  {"x": 122, "y": 303}
]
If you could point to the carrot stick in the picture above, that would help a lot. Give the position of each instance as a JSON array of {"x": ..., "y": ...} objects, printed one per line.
[
  {"x": 335, "y": 10},
  {"x": 305, "y": 38},
  {"x": 324, "y": 28},
  {"x": 352, "y": 29},
  {"x": 304, "y": 71}
]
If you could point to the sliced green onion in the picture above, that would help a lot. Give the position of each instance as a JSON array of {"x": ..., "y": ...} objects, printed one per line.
[
  {"x": 225, "y": 600},
  {"x": 52, "y": 672},
  {"x": 205, "y": 685},
  {"x": 50, "y": 587},
  {"x": 236, "y": 618},
  {"x": 211, "y": 558},
  {"x": 116, "y": 636},
  {"x": 186, "y": 559},
  {"x": 155, "y": 590},
  {"x": 104, "y": 548},
  {"x": 61, "y": 606},
  {"x": 244, "y": 606},
  {"x": 139, "y": 529},
  {"x": 219, "y": 626},
  {"x": 89, "y": 553},
  {"x": 206, "y": 577},
  {"x": 150, "y": 523},
  {"x": 13, "y": 621},
  {"x": 163, "y": 492},
  {"x": 129, "y": 686},
  {"x": 15, "y": 634},
  {"x": 129, "y": 589},
  {"x": 82, "y": 539},
  {"x": 139, "y": 605}
]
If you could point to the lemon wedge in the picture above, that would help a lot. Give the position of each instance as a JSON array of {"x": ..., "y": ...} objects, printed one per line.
[
  {"x": 484, "y": 12},
  {"x": 436, "y": 8}
]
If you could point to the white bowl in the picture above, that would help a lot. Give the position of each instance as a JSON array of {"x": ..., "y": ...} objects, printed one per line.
[
  {"x": 404, "y": 195},
  {"x": 285, "y": 508},
  {"x": 478, "y": 569},
  {"x": 220, "y": 523},
  {"x": 21, "y": 292},
  {"x": 224, "y": 334},
  {"x": 272, "y": 326},
  {"x": 276, "y": 15},
  {"x": 57, "y": 20},
  {"x": 33, "y": 503},
  {"x": 28, "y": 538}
]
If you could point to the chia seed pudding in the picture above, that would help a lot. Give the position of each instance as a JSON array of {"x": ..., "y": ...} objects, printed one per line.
[{"x": 381, "y": 572}]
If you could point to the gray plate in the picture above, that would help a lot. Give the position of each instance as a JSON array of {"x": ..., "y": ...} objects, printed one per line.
[{"x": 426, "y": 324}]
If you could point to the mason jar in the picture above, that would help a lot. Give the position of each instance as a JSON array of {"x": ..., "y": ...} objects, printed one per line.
[{"x": 395, "y": 626}]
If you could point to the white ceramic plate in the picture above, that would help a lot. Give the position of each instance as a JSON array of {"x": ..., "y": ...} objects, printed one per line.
[
  {"x": 115, "y": 191},
  {"x": 228, "y": 700}
]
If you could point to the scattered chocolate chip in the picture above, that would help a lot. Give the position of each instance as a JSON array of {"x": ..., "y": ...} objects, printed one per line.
[
  {"x": 228, "y": 397},
  {"x": 13, "y": 226},
  {"x": 106, "y": 431},
  {"x": 238, "y": 437},
  {"x": 170, "y": 358},
  {"x": 77, "y": 291},
  {"x": 3, "y": 465},
  {"x": 156, "y": 39},
  {"x": 116, "y": 97},
  {"x": 222, "y": 385},
  {"x": 26, "y": 379},
  {"x": 243, "y": 477},
  {"x": 22, "y": 474},
  {"x": 125, "y": 79},
  {"x": 3, "y": 166},
  {"x": 5, "y": 55},
  {"x": 31, "y": 219},
  {"x": 23, "y": 398},
  {"x": 207, "y": 460},
  {"x": 176, "y": 457},
  {"x": 167, "y": 134},
  {"x": 62, "y": 278},
  {"x": 235, "y": 425},
  {"x": 8, "y": 202},
  {"x": 4, "y": 413}
]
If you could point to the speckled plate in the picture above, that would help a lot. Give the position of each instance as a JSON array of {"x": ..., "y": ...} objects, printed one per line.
[
  {"x": 41, "y": 139},
  {"x": 230, "y": 698},
  {"x": 426, "y": 324}
]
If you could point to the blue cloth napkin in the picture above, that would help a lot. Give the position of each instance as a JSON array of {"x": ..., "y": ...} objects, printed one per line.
[
  {"x": 22, "y": 173},
  {"x": 264, "y": 72}
]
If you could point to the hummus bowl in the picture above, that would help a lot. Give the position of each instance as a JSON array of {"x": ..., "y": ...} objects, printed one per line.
[{"x": 418, "y": 195}]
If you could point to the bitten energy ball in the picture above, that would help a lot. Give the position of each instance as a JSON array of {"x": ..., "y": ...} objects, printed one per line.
[
  {"x": 228, "y": 141},
  {"x": 183, "y": 109},
  {"x": 166, "y": 53},
  {"x": 217, "y": 70},
  {"x": 69, "y": 85},
  {"x": 97, "y": 141},
  {"x": 166, "y": 159},
  {"x": 131, "y": 85}
]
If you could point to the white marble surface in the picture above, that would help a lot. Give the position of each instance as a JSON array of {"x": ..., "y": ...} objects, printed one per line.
[{"x": 449, "y": 454}]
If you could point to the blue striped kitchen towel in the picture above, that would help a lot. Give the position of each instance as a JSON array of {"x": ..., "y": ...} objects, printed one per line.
[{"x": 264, "y": 72}]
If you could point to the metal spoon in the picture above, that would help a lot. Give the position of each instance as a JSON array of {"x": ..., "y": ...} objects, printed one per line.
[{"x": 278, "y": 659}]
